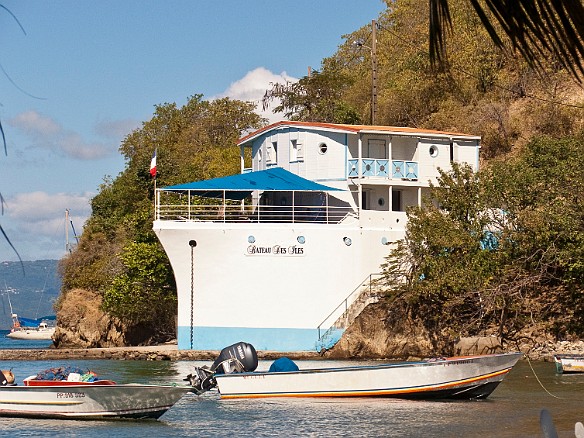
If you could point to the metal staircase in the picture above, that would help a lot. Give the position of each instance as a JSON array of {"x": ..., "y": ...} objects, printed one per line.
[{"x": 367, "y": 292}]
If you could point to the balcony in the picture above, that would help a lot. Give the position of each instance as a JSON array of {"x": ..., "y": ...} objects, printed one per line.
[
  {"x": 321, "y": 214},
  {"x": 383, "y": 168}
]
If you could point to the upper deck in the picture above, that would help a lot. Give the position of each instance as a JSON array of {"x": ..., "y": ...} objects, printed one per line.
[{"x": 372, "y": 171}]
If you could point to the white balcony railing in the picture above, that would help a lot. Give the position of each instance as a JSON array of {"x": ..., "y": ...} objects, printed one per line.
[
  {"x": 374, "y": 167},
  {"x": 259, "y": 213}
]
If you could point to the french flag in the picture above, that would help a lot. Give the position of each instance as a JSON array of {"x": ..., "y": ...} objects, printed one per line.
[{"x": 153, "y": 165}]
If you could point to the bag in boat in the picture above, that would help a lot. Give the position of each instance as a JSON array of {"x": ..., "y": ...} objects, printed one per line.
[{"x": 283, "y": 364}]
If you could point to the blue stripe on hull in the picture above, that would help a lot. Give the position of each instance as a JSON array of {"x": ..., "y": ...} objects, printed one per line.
[{"x": 273, "y": 339}]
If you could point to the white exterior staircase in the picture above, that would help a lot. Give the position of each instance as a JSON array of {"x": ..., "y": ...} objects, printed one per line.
[{"x": 368, "y": 292}]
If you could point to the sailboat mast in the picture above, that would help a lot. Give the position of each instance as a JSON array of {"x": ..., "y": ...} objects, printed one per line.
[
  {"x": 8, "y": 295},
  {"x": 67, "y": 248}
]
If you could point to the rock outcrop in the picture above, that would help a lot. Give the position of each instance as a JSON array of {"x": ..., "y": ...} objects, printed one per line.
[
  {"x": 82, "y": 324},
  {"x": 374, "y": 335}
]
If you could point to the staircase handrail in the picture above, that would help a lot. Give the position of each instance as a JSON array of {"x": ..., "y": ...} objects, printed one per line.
[{"x": 346, "y": 300}]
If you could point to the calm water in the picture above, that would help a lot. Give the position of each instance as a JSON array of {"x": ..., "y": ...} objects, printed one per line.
[
  {"x": 511, "y": 411},
  {"x": 10, "y": 344}
]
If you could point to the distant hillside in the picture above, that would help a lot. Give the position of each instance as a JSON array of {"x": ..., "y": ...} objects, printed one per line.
[{"x": 31, "y": 291}]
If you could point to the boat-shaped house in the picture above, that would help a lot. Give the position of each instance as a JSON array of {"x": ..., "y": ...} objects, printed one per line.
[{"x": 284, "y": 254}]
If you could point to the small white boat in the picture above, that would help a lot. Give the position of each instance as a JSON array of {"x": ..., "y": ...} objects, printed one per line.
[
  {"x": 42, "y": 332},
  {"x": 469, "y": 377},
  {"x": 569, "y": 363},
  {"x": 102, "y": 399}
]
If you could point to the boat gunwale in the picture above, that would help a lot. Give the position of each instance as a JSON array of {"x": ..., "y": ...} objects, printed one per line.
[{"x": 405, "y": 364}]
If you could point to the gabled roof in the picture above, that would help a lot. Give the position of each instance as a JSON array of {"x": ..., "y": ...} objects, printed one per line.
[
  {"x": 355, "y": 129},
  {"x": 239, "y": 186}
]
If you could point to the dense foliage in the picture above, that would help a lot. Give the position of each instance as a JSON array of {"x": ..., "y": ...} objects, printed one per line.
[
  {"x": 484, "y": 90},
  {"x": 119, "y": 255},
  {"x": 494, "y": 251}
]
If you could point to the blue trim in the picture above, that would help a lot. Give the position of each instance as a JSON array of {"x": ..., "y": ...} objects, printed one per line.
[
  {"x": 398, "y": 169},
  {"x": 368, "y": 167},
  {"x": 273, "y": 339},
  {"x": 411, "y": 170},
  {"x": 330, "y": 338},
  {"x": 346, "y": 153},
  {"x": 352, "y": 170}
]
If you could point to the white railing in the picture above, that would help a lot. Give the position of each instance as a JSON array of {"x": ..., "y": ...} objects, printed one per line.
[
  {"x": 259, "y": 213},
  {"x": 375, "y": 167},
  {"x": 365, "y": 287}
]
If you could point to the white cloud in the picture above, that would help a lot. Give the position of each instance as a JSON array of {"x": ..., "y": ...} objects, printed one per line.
[
  {"x": 116, "y": 129},
  {"x": 37, "y": 222},
  {"x": 47, "y": 134},
  {"x": 252, "y": 88},
  {"x": 35, "y": 207}
]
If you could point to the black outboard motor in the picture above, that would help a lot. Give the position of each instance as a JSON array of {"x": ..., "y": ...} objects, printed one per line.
[{"x": 237, "y": 358}]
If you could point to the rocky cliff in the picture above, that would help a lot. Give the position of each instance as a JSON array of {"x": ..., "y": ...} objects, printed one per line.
[{"x": 81, "y": 323}]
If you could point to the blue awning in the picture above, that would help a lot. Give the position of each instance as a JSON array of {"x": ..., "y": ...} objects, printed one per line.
[
  {"x": 239, "y": 186},
  {"x": 30, "y": 322}
]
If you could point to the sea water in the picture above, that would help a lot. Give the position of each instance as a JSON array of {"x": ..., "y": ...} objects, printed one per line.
[
  {"x": 511, "y": 411},
  {"x": 20, "y": 344}
]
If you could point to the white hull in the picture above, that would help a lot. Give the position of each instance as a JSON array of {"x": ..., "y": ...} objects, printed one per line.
[
  {"x": 32, "y": 334},
  {"x": 89, "y": 401},
  {"x": 458, "y": 378},
  {"x": 275, "y": 302},
  {"x": 569, "y": 363}
]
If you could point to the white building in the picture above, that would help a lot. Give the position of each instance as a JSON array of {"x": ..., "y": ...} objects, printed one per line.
[{"x": 274, "y": 256}]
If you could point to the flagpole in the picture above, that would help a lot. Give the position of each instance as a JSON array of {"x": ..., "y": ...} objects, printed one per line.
[{"x": 153, "y": 173}]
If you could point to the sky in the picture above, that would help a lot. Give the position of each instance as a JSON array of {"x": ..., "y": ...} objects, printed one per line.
[{"x": 80, "y": 75}]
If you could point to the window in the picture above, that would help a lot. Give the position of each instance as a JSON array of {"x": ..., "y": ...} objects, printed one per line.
[
  {"x": 433, "y": 151},
  {"x": 322, "y": 148},
  {"x": 375, "y": 149},
  {"x": 296, "y": 152},
  {"x": 396, "y": 199},
  {"x": 272, "y": 153}
]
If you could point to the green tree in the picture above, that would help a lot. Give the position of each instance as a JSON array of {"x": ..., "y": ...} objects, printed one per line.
[
  {"x": 314, "y": 98},
  {"x": 118, "y": 254},
  {"x": 143, "y": 294},
  {"x": 499, "y": 250},
  {"x": 441, "y": 266}
]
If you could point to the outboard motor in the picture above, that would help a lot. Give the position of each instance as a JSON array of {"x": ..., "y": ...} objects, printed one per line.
[{"x": 237, "y": 358}]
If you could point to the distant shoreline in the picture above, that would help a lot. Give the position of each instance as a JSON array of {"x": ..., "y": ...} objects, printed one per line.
[{"x": 156, "y": 352}]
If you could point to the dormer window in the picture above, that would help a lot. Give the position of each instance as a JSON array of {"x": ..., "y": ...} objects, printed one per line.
[{"x": 296, "y": 152}]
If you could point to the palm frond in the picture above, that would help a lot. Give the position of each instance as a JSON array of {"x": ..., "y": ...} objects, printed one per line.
[
  {"x": 536, "y": 29},
  {"x": 440, "y": 23},
  {"x": 3, "y": 138},
  {"x": 13, "y": 248}
]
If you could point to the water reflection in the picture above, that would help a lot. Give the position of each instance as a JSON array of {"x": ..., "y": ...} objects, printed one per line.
[{"x": 511, "y": 411}]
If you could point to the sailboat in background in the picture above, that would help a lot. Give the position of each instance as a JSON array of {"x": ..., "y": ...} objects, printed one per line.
[
  {"x": 30, "y": 329},
  {"x": 41, "y": 328}
]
